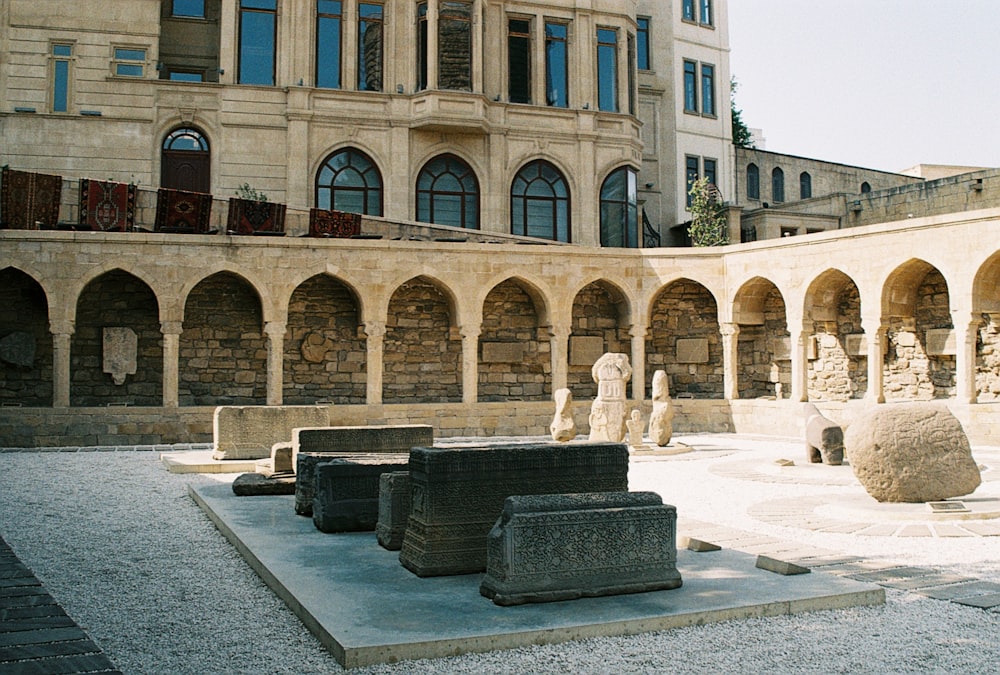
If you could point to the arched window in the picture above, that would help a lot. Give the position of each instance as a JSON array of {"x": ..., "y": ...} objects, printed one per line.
[
  {"x": 539, "y": 202},
  {"x": 448, "y": 193},
  {"x": 185, "y": 161},
  {"x": 620, "y": 209},
  {"x": 805, "y": 185},
  {"x": 349, "y": 181},
  {"x": 865, "y": 188},
  {"x": 753, "y": 182},
  {"x": 778, "y": 185}
]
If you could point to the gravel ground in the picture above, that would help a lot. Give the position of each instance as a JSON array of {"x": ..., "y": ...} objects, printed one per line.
[{"x": 118, "y": 542}]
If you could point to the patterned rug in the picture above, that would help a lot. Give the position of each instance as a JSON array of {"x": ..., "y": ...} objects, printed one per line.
[
  {"x": 252, "y": 217},
  {"x": 323, "y": 223},
  {"x": 106, "y": 206},
  {"x": 29, "y": 201},
  {"x": 182, "y": 212}
]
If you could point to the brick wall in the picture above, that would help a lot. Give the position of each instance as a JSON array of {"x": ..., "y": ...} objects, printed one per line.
[
  {"x": 835, "y": 375},
  {"x": 510, "y": 319},
  {"x": 759, "y": 370},
  {"x": 25, "y": 310},
  {"x": 595, "y": 314},
  {"x": 685, "y": 310}
]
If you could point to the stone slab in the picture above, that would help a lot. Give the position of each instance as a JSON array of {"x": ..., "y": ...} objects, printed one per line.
[
  {"x": 584, "y": 350},
  {"x": 249, "y": 431},
  {"x": 691, "y": 350},
  {"x": 393, "y": 438},
  {"x": 305, "y": 473},
  {"x": 503, "y": 352},
  {"x": 782, "y": 567},
  {"x": 257, "y": 484},
  {"x": 347, "y": 590},
  {"x": 201, "y": 461},
  {"x": 347, "y": 490}
]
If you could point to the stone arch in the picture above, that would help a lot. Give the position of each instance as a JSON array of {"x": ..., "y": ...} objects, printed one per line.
[
  {"x": 764, "y": 345},
  {"x": 920, "y": 342},
  {"x": 837, "y": 358},
  {"x": 223, "y": 350},
  {"x": 600, "y": 324},
  {"x": 324, "y": 346},
  {"x": 986, "y": 303},
  {"x": 684, "y": 340},
  {"x": 422, "y": 350},
  {"x": 260, "y": 290},
  {"x": 25, "y": 341},
  {"x": 514, "y": 357},
  {"x": 112, "y": 310}
]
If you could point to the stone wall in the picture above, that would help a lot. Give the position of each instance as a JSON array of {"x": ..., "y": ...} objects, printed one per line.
[
  {"x": 836, "y": 375},
  {"x": 595, "y": 315},
  {"x": 423, "y": 355},
  {"x": 325, "y": 354},
  {"x": 965, "y": 192},
  {"x": 26, "y": 373},
  {"x": 685, "y": 311},
  {"x": 988, "y": 361},
  {"x": 514, "y": 352},
  {"x": 763, "y": 352},
  {"x": 223, "y": 353},
  {"x": 116, "y": 299}
]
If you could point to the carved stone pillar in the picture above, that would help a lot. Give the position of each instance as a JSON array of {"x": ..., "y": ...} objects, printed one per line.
[
  {"x": 375, "y": 332},
  {"x": 275, "y": 332},
  {"x": 966, "y": 332},
  {"x": 638, "y": 334},
  {"x": 875, "y": 333},
  {"x": 171, "y": 331},
  {"x": 62, "y": 341},
  {"x": 730, "y": 360},
  {"x": 470, "y": 364},
  {"x": 559, "y": 352},
  {"x": 800, "y": 365}
]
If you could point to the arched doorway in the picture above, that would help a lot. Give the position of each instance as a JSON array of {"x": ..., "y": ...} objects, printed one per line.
[{"x": 185, "y": 161}]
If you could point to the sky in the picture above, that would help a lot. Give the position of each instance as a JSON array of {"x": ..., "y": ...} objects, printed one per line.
[{"x": 880, "y": 84}]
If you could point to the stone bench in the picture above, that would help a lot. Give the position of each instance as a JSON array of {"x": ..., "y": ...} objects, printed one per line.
[
  {"x": 306, "y": 472},
  {"x": 393, "y": 509},
  {"x": 545, "y": 548},
  {"x": 374, "y": 438},
  {"x": 347, "y": 491},
  {"x": 249, "y": 432},
  {"x": 458, "y": 493}
]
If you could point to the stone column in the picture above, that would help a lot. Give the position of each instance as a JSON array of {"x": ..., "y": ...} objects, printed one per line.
[
  {"x": 298, "y": 194},
  {"x": 966, "y": 332},
  {"x": 62, "y": 342},
  {"x": 730, "y": 360},
  {"x": 171, "y": 331},
  {"x": 275, "y": 332},
  {"x": 229, "y": 36},
  {"x": 470, "y": 364},
  {"x": 800, "y": 364},
  {"x": 432, "y": 44},
  {"x": 875, "y": 334},
  {"x": 559, "y": 352},
  {"x": 638, "y": 334},
  {"x": 375, "y": 332}
]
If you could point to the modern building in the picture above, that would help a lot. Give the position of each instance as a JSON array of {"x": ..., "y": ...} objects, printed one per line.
[{"x": 556, "y": 120}]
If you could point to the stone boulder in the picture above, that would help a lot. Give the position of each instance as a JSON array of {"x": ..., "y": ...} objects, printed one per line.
[{"x": 911, "y": 453}]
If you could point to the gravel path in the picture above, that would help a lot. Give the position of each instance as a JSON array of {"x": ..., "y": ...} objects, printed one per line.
[{"x": 118, "y": 542}]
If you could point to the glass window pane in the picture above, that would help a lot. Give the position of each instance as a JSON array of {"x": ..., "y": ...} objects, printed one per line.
[
  {"x": 370, "y": 50},
  {"x": 707, "y": 89},
  {"x": 60, "y": 87},
  {"x": 687, "y": 10},
  {"x": 519, "y": 61},
  {"x": 328, "y": 45},
  {"x": 194, "y": 8},
  {"x": 128, "y": 70},
  {"x": 259, "y": 4},
  {"x": 690, "y": 87},
  {"x": 185, "y": 77},
  {"x": 256, "y": 47},
  {"x": 706, "y": 12},
  {"x": 556, "y": 65},
  {"x": 607, "y": 70},
  {"x": 709, "y": 170},
  {"x": 62, "y": 50},
  {"x": 455, "y": 46},
  {"x": 642, "y": 44},
  {"x": 753, "y": 182},
  {"x": 130, "y": 54}
]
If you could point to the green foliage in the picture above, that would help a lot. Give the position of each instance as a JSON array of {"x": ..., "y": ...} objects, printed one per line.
[
  {"x": 741, "y": 134},
  {"x": 245, "y": 191},
  {"x": 709, "y": 220}
]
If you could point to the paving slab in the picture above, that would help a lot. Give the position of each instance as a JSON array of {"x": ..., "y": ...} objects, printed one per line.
[
  {"x": 963, "y": 590},
  {"x": 983, "y": 601},
  {"x": 367, "y": 609},
  {"x": 200, "y": 461}
]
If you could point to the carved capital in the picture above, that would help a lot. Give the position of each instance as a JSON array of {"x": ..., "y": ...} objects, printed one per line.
[
  {"x": 171, "y": 327},
  {"x": 62, "y": 327},
  {"x": 274, "y": 330},
  {"x": 375, "y": 329}
]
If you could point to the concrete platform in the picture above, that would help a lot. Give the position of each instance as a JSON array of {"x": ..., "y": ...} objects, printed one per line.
[
  {"x": 200, "y": 461},
  {"x": 367, "y": 609}
]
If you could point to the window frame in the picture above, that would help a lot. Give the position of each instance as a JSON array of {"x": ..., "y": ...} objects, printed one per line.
[
  {"x": 705, "y": 8},
  {"x": 175, "y": 14},
  {"x": 777, "y": 185},
  {"x": 753, "y": 181},
  {"x": 690, "y": 80},
  {"x": 368, "y": 22},
  {"x": 628, "y": 205},
  {"x": 464, "y": 195},
  {"x": 643, "y": 56},
  {"x": 517, "y": 37},
  {"x": 607, "y": 86},
  {"x": 689, "y": 12},
  {"x": 465, "y": 18},
  {"x": 559, "y": 204},
  {"x": 805, "y": 185},
  {"x": 252, "y": 7},
  {"x": 707, "y": 82},
  {"x": 354, "y": 162},
  {"x": 560, "y": 43},
  {"x": 120, "y": 61},
  {"x": 61, "y": 67},
  {"x": 691, "y": 162},
  {"x": 322, "y": 71}
]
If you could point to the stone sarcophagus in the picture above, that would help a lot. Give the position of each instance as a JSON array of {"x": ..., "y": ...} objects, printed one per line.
[
  {"x": 561, "y": 547},
  {"x": 393, "y": 509},
  {"x": 459, "y": 492},
  {"x": 347, "y": 488},
  {"x": 249, "y": 431},
  {"x": 375, "y": 438},
  {"x": 307, "y": 468}
]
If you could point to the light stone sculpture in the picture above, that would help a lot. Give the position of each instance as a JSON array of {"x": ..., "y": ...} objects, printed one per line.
[
  {"x": 607, "y": 414},
  {"x": 661, "y": 419},
  {"x": 563, "y": 427},
  {"x": 634, "y": 425}
]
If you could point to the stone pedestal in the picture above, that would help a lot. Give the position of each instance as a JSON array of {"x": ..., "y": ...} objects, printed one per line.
[
  {"x": 459, "y": 492},
  {"x": 562, "y": 547}
]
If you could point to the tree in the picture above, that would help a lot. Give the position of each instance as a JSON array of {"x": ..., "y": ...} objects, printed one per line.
[
  {"x": 709, "y": 219},
  {"x": 742, "y": 137}
]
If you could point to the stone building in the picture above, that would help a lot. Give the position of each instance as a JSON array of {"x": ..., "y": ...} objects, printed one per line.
[
  {"x": 444, "y": 118},
  {"x": 563, "y": 119}
]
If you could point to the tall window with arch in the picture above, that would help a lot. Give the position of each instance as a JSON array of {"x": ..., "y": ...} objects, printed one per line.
[
  {"x": 805, "y": 185},
  {"x": 185, "y": 161},
  {"x": 349, "y": 181},
  {"x": 620, "y": 209},
  {"x": 448, "y": 193},
  {"x": 539, "y": 202},
  {"x": 753, "y": 181},
  {"x": 778, "y": 184}
]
